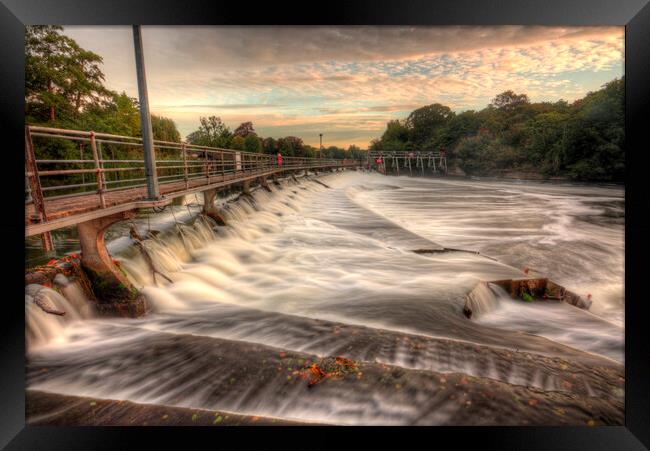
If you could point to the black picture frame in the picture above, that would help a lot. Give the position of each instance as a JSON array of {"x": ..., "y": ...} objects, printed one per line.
[{"x": 633, "y": 14}]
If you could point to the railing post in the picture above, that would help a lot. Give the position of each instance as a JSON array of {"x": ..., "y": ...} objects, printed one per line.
[
  {"x": 184, "y": 150},
  {"x": 35, "y": 193},
  {"x": 81, "y": 157},
  {"x": 207, "y": 170},
  {"x": 28, "y": 190},
  {"x": 98, "y": 170},
  {"x": 223, "y": 167}
]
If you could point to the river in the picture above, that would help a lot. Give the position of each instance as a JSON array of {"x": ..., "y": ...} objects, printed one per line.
[{"x": 309, "y": 271}]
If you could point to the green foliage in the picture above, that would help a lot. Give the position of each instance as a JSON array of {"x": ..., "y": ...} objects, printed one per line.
[
  {"x": 245, "y": 129},
  {"x": 61, "y": 78},
  {"x": 269, "y": 146},
  {"x": 212, "y": 133},
  {"x": 425, "y": 123},
  {"x": 291, "y": 146},
  {"x": 252, "y": 143},
  {"x": 582, "y": 141},
  {"x": 64, "y": 89},
  {"x": 164, "y": 129}
]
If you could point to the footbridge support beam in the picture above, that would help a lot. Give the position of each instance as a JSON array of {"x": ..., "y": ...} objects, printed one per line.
[
  {"x": 115, "y": 294},
  {"x": 265, "y": 184},
  {"x": 246, "y": 187},
  {"x": 209, "y": 209}
]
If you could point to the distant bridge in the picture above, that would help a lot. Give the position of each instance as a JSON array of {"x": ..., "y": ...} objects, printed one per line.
[{"x": 408, "y": 163}]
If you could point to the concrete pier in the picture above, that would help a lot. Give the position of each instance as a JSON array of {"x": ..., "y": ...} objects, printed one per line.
[
  {"x": 114, "y": 292},
  {"x": 209, "y": 209}
]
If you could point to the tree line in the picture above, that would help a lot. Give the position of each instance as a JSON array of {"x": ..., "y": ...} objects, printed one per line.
[
  {"x": 583, "y": 140},
  {"x": 214, "y": 132}
]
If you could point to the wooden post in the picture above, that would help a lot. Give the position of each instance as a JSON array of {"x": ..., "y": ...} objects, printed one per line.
[{"x": 98, "y": 171}]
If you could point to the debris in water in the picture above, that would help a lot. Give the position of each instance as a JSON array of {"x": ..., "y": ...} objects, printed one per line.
[
  {"x": 530, "y": 290},
  {"x": 332, "y": 368}
]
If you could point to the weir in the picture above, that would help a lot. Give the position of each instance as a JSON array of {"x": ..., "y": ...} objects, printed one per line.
[
  {"x": 113, "y": 189},
  {"x": 251, "y": 316}
]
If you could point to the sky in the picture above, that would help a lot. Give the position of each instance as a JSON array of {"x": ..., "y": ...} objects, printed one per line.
[{"x": 347, "y": 82}]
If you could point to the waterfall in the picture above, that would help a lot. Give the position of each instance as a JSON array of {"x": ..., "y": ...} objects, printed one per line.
[
  {"x": 43, "y": 327},
  {"x": 484, "y": 298}
]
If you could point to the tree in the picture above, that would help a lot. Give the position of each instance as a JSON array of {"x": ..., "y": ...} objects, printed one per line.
[
  {"x": 252, "y": 143},
  {"x": 164, "y": 129},
  {"x": 245, "y": 129},
  {"x": 237, "y": 143},
  {"x": 211, "y": 133},
  {"x": 509, "y": 101},
  {"x": 291, "y": 146},
  {"x": 61, "y": 78},
  {"x": 425, "y": 122},
  {"x": 269, "y": 145},
  {"x": 546, "y": 141}
]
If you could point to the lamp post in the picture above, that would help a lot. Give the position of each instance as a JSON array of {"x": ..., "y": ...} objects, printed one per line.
[
  {"x": 151, "y": 175},
  {"x": 320, "y": 149}
]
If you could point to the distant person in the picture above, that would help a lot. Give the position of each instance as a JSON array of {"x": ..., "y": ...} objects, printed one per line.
[
  {"x": 442, "y": 152},
  {"x": 279, "y": 159}
]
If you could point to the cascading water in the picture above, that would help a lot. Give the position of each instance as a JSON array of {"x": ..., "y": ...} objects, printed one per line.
[
  {"x": 43, "y": 327},
  {"x": 484, "y": 298},
  {"x": 306, "y": 272}
]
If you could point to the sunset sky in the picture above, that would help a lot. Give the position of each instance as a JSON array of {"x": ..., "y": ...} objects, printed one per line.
[{"x": 347, "y": 82}]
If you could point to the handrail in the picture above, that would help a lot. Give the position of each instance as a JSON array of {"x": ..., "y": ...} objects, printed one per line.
[{"x": 100, "y": 163}]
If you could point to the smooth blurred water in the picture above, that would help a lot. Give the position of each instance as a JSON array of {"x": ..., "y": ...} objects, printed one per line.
[{"x": 295, "y": 266}]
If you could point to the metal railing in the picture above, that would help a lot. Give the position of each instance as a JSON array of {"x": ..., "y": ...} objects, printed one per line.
[
  {"x": 407, "y": 160},
  {"x": 63, "y": 164}
]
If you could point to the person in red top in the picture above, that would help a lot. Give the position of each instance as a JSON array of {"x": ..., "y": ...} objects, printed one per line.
[{"x": 279, "y": 159}]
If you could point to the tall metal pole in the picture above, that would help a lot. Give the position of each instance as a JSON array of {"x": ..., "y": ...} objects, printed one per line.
[
  {"x": 145, "y": 119},
  {"x": 320, "y": 149}
]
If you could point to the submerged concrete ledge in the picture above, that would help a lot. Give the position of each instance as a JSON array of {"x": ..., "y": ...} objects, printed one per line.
[{"x": 50, "y": 409}]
